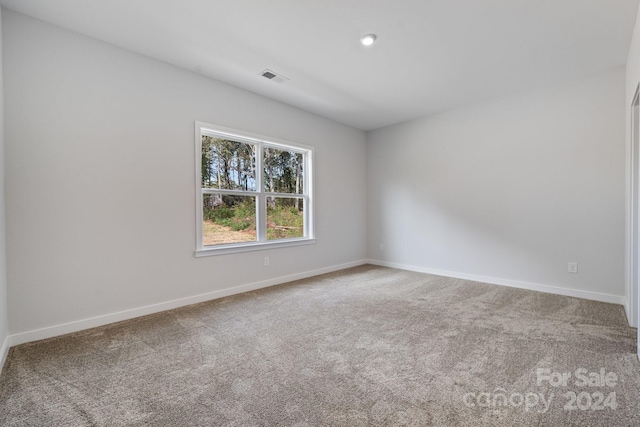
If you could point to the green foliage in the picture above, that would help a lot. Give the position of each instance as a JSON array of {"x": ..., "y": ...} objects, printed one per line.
[
  {"x": 284, "y": 222},
  {"x": 232, "y": 165},
  {"x": 237, "y": 213},
  {"x": 240, "y": 225},
  {"x": 226, "y": 164},
  {"x": 283, "y": 171},
  {"x": 284, "y": 219},
  {"x": 218, "y": 214}
]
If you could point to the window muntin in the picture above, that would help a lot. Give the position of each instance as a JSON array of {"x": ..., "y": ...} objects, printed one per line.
[{"x": 241, "y": 209}]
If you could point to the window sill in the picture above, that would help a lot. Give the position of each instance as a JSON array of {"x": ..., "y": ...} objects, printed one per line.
[{"x": 249, "y": 247}]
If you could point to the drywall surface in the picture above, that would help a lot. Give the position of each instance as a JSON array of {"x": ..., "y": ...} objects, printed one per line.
[
  {"x": 632, "y": 82},
  {"x": 100, "y": 180},
  {"x": 513, "y": 189},
  {"x": 3, "y": 266},
  {"x": 633, "y": 65}
]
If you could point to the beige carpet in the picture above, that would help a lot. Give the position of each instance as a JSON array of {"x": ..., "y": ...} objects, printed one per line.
[{"x": 365, "y": 346}]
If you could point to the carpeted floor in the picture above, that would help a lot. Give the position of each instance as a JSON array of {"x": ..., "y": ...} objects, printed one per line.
[{"x": 364, "y": 346}]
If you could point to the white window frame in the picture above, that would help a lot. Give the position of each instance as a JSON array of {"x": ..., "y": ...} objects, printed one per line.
[{"x": 260, "y": 142}]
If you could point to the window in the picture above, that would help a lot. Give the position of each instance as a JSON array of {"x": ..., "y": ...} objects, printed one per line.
[{"x": 252, "y": 192}]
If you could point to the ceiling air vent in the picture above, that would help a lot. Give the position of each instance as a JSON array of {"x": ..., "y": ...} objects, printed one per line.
[{"x": 273, "y": 76}]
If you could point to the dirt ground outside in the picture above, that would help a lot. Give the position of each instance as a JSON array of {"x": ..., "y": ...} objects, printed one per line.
[{"x": 215, "y": 234}]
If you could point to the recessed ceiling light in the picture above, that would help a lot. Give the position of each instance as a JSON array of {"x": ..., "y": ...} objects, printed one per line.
[{"x": 368, "y": 40}]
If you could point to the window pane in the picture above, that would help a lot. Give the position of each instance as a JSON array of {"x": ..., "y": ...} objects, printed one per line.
[
  {"x": 228, "y": 165},
  {"x": 283, "y": 171},
  {"x": 228, "y": 219},
  {"x": 285, "y": 217}
]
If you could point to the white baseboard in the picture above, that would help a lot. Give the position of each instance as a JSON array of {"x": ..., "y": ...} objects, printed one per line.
[
  {"x": 79, "y": 325},
  {"x": 596, "y": 296},
  {"x": 4, "y": 351},
  {"x": 629, "y": 316}
]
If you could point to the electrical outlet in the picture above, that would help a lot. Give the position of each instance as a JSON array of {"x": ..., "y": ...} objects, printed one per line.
[
  {"x": 266, "y": 261},
  {"x": 572, "y": 267},
  {"x": 381, "y": 247}
]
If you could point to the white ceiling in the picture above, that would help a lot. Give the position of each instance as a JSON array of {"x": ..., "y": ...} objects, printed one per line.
[{"x": 431, "y": 55}]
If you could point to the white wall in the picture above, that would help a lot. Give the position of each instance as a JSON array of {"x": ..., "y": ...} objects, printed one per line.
[
  {"x": 4, "y": 333},
  {"x": 633, "y": 66},
  {"x": 632, "y": 80},
  {"x": 509, "y": 191},
  {"x": 100, "y": 181}
]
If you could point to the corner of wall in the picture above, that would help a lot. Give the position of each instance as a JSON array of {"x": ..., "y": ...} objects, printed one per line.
[{"x": 4, "y": 330}]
